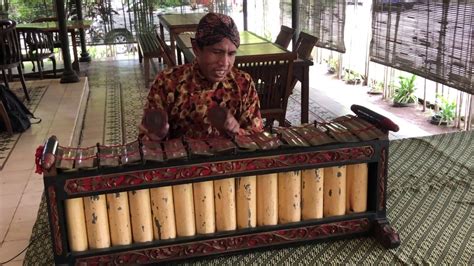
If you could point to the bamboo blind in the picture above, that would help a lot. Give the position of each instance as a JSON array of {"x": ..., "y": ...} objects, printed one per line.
[
  {"x": 430, "y": 38},
  {"x": 322, "y": 18}
]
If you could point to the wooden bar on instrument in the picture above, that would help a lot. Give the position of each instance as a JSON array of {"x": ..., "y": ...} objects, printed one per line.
[
  {"x": 289, "y": 197},
  {"x": 97, "y": 222},
  {"x": 246, "y": 201},
  {"x": 267, "y": 199},
  {"x": 76, "y": 224},
  {"x": 224, "y": 196},
  {"x": 140, "y": 211},
  {"x": 204, "y": 207},
  {"x": 184, "y": 210},
  {"x": 357, "y": 186},
  {"x": 162, "y": 205},
  {"x": 312, "y": 193},
  {"x": 334, "y": 200},
  {"x": 119, "y": 218}
]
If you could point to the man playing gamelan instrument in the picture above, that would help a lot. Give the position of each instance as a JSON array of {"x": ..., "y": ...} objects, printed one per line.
[
  {"x": 183, "y": 95},
  {"x": 207, "y": 98}
]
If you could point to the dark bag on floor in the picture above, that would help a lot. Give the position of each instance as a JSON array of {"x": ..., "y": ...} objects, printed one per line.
[{"x": 17, "y": 112}]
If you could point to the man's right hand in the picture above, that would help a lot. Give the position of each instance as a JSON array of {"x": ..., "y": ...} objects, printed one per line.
[{"x": 154, "y": 125}]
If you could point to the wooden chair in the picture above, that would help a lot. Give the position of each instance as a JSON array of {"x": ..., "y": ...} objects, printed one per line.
[
  {"x": 304, "y": 45},
  {"x": 285, "y": 36},
  {"x": 37, "y": 45},
  {"x": 10, "y": 52},
  {"x": 303, "y": 48},
  {"x": 148, "y": 48},
  {"x": 272, "y": 75},
  {"x": 56, "y": 41},
  {"x": 168, "y": 56}
]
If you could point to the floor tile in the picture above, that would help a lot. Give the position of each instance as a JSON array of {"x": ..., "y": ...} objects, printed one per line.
[
  {"x": 7, "y": 216},
  {"x": 19, "y": 231},
  {"x": 25, "y": 214},
  {"x": 12, "y": 188},
  {"x": 9, "y": 201},
  {"x": 31, "y": 199},
  {"x": 3, "y": 233},
  {"x": 34, "y": 185},
  {"x": 11, "y": 248},
  {"x": 18, "y": 262}
]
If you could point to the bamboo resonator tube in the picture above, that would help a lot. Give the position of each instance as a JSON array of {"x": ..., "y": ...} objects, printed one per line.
[
  {"x": 184, "y": 210},
  {"x": 224, "y": 196},
  {"x": 140, "y": 212},
  {"x": 312, "y": 193},
  {"x": 97, "y": 221},
  {"x": 357, "y": 186},
  {"x": 123, "y": 218},
  {"x": 334, "y": 200},
  {"x": 163, "y": 212},
  {"x": 119, "y": 218},
  {"x": 246, "y": 189},
  {"x": 289, "y": 197},
  {"x": 76, "y": 224},
  {"x": 204, "y": 207}
]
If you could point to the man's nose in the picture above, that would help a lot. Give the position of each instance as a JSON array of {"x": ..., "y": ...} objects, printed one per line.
[{"x": 224, "y": 60}]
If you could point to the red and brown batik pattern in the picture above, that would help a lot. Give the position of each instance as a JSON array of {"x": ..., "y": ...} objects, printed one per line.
[{"x": 186, "y": 95}]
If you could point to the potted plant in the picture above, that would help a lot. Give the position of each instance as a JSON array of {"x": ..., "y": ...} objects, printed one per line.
[
  {"x": 351, "y": 77},
  {"x": 332, "y": 64},
  {"x": 446, "y": 114},
  {"x": 376, "y": 87},
  {"x": 404, "y": 94}
]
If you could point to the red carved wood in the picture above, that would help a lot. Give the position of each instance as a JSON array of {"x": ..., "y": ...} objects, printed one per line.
[
  {"x": 211, "y": 169},
  {"x": 231, "y": 243}
]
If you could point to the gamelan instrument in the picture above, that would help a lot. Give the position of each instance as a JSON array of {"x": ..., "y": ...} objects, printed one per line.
[{"x": 149, "y": 202}]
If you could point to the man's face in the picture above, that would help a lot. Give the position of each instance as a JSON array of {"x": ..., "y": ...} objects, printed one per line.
[{"x": 215, "y": 61}]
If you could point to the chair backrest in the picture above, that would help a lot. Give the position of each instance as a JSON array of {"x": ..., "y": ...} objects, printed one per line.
[
  {"x": 304, "y": 45},
  {"x": 285, "y": 36},
  {"x": 168, "y": 56},
  {"x": 272, "y": 74},
  {"x": 35, "y": 43},
  {"x": 10, "y": 54},
  {"x": 57, "y": 42}
]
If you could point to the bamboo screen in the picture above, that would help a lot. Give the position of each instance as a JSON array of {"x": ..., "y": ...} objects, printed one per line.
[
  {"x": 430, "y": 38},
  {"x": 324, "y": 19}
]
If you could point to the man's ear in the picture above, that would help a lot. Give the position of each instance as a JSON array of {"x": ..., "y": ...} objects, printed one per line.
[{"x": 196, "y": 49}]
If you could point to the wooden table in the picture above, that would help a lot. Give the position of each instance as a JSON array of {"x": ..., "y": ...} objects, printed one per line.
[
  {"x": 252, "y": 44},
  {"x": 72, "y": 26},
  {"x": 178, "y": 23}
]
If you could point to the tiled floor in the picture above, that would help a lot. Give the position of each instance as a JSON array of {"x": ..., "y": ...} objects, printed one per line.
[{"x": 21, "y": 188}]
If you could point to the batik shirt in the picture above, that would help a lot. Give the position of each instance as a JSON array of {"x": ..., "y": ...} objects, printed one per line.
[{"x": 186, "y": 95}]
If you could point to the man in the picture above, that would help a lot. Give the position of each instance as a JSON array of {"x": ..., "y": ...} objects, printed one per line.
[{"x": 184, "y": 95}]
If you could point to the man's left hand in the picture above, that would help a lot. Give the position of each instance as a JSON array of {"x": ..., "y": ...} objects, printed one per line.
[{"x": 231, "y": 124}]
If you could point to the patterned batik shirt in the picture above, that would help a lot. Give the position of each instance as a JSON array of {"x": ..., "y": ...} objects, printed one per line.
[{"x": 186, "y": 95}]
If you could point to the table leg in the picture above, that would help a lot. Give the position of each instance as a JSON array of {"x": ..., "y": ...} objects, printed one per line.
[
  {"x": 304, "y": 94},
  {"x": 173, "y": 45},
  {"x": 180, "y": 61},
  {"x": 75, "y": 64},
  {"x": 162, "y": 32}
]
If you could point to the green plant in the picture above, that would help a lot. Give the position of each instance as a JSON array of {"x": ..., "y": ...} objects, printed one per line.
[
  {"x": 333, "y": 65},
  {"x": 405, "y": 92},
  {"x": 351, "y": 76},
  {"x": 376, "y": 87},
  {"x": 447, "y": 111}
]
